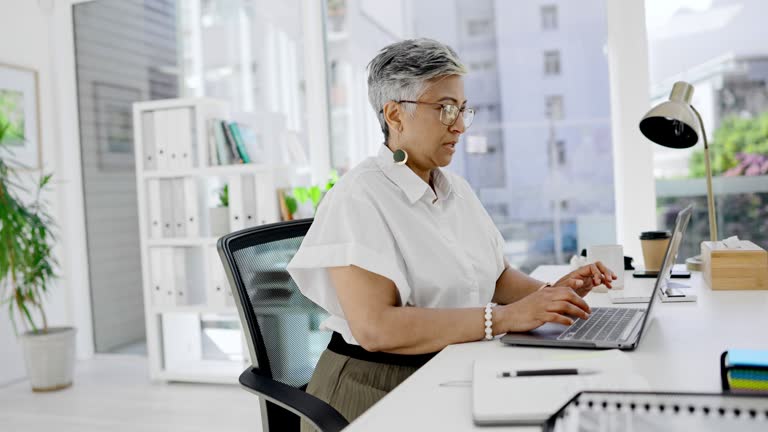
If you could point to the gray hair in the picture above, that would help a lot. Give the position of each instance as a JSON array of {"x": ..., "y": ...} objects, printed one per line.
[{"x": 400, "y": 71}]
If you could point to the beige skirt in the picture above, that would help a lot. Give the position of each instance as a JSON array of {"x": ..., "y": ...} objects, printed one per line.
[{"x": 351, "y": 385}]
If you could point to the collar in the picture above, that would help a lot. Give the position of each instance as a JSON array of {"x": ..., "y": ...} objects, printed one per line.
[{"x": 410, "y": 183}]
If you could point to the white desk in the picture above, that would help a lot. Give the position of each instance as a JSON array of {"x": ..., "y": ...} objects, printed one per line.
[{"x": 680, "y": 350}]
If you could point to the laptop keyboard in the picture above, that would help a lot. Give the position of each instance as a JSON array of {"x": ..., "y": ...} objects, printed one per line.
[{"x": 604, "y": 324}]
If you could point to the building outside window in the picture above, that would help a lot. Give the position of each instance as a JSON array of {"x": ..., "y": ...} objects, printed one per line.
[
  {"x": 552, "y": 62},
  {"x": 549, "y": 17}
]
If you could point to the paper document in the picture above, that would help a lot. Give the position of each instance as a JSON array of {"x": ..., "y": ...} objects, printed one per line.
[{"x": 531, "y": 400}]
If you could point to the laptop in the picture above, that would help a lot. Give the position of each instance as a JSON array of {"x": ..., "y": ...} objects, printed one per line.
[{"x": 607, "y": 327}]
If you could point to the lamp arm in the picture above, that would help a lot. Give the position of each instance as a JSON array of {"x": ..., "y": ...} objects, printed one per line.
[{"x": 710, "y": 195}]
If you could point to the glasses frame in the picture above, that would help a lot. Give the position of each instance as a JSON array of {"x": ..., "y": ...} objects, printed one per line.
[{"x": 444, "y": 107}]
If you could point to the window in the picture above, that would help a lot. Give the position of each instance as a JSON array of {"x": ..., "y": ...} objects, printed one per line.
[
  {"x": 481, "y": 66},
  {"x": 556, "y": 152},
  {"x": 479, "y": 27},
  {"x": 554, "y": 107},
  {"x": 521, "y": 183},
  {"x": 108, "y": 84},
  {"x": 551, "y": 62},
  {"x": 731, "y": 93},
  {"x": 560, "y": 151},
  {"x": 549, "y": 17},
  {"x": 477, "y": 144}
]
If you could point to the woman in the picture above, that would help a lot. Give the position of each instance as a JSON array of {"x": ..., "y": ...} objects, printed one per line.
[{"x": 402, "y": 254}]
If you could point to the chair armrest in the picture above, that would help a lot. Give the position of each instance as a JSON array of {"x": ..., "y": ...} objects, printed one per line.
[{"x": 317, "y": 412}]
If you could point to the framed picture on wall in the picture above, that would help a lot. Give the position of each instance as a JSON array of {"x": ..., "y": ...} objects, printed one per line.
[
  {"x": 114, "y": 124},
  {"x": 19, "y": 115}
]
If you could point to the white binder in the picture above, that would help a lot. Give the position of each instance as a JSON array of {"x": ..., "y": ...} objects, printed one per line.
[
  {"x": 166, "y": 207},
  {"x": 179, "y": 207},
  {"x": 169, "y": 275},
  {"x": 210, "y": 142},
  {"x": 154, "y": 206},
  {"x": 178, "y": 272},
  {"x": 248, "y": 198},
  {"x": 160, "y": 128},
  {"x": 181, "y": 138},
  {"x": 266, "y": 199},
  {"x": 148, "y": 140},
  {"x": 217, "y": 293},
  {"x": 162, "y": 294},
  {"x": 191, "y": 207},
  {"x": 171, "y": 127},
  {"x": 236, "y": 203}
]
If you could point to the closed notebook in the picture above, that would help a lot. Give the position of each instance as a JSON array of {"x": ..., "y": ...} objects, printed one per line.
[
  {"x": 532, "y": 400},
  {"x": 747, "y": 369},
  {"x": 748, "y": 358}
]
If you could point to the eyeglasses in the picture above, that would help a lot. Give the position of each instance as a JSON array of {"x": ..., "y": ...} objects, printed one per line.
[{"x": 449, "y": 113}]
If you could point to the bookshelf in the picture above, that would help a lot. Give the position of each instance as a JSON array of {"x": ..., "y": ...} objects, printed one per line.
[{"x": 192, "y": 326}]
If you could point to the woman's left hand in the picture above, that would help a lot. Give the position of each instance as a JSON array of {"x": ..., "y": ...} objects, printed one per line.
[{"x": 584, "y": 278}]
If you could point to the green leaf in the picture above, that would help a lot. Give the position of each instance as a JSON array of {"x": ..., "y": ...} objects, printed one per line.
[
  {"x": 735, "y": 135},
  {"x": 24, "y": 309},
  {"x": 301, "y": 194},
  {"x": 224, "y": 196},
  {"x": 315, "y": 194},
  {"x": 291, "y": 203},
  {"x": 44, "y": 180},
  {"x": 334, "y": 177},
  {"x": 12, "y": 318}
]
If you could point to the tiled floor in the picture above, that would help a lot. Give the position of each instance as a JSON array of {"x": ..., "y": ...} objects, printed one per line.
[{"x": 113, "y": 393}]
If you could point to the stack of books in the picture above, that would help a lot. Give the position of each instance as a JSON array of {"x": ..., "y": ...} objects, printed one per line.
[{"x": 744, "y": 370}]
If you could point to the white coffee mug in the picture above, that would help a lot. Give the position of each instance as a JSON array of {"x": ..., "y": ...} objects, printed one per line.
[{"x": 612, "y": 256}]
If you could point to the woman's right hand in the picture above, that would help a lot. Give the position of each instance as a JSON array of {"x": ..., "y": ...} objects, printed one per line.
[{"x": 550, "y": 304}]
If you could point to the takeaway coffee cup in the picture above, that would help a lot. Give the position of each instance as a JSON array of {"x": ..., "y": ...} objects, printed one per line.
[{"x": 654, "y": 246}]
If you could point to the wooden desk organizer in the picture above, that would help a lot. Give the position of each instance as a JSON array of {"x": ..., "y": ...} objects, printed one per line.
[{"x": 743, "y": 268}]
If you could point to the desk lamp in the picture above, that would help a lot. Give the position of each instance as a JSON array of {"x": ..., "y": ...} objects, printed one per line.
[{"x": 676, "y": 124}]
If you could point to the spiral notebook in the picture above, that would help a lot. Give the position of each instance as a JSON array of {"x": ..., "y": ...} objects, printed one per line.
[{"x": 660, "y": 412}]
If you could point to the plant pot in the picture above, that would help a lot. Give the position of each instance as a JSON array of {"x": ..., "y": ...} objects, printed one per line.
[
  {"x": 50, "y": 358},
  {"x": 219, "y": 221}
]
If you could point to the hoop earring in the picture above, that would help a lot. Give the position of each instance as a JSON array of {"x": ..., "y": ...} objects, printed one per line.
[{"x": 400, "y": 157}]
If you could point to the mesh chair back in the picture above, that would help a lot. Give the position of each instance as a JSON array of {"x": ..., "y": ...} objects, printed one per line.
[{"x": 282, "y": 324}]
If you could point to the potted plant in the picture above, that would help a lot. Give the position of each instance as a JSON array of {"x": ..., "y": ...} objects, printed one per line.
[
  {"x": 220, "y": 214},
  {"x": 26, "y": 273},
  {"x": 304, "y": 200}
]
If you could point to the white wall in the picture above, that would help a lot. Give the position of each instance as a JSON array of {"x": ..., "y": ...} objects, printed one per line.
[{"x": 31, "y": 36}]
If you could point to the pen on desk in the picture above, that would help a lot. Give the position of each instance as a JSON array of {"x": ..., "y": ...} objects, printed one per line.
[{"x": 546, "y": 372}]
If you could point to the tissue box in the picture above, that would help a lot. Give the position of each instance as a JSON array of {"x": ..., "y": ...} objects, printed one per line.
[{"x": 744, "y": 267}]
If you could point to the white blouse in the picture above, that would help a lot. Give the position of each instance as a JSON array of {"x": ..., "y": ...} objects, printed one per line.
[{"x": 440, "y": 250}]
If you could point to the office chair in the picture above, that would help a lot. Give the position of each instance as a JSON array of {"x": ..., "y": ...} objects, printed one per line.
[{"x": 278, "y": 322}]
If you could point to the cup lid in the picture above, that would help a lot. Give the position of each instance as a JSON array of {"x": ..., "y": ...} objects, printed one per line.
[{"x": 655, "y": 235}]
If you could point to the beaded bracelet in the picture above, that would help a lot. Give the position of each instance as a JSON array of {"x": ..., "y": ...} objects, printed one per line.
[{"x": 489, "y": 321}]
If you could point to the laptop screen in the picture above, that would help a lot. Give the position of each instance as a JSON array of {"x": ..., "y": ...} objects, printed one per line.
[{"x": 670, "y": 256}]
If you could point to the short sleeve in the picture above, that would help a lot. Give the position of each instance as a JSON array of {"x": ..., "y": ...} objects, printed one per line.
[
  {"x": 499, "y": 242},
  {"x": 348, "y": 230}
]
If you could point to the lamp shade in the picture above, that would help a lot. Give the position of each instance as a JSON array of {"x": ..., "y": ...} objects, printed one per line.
[{"x": 673, "y": 123}]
